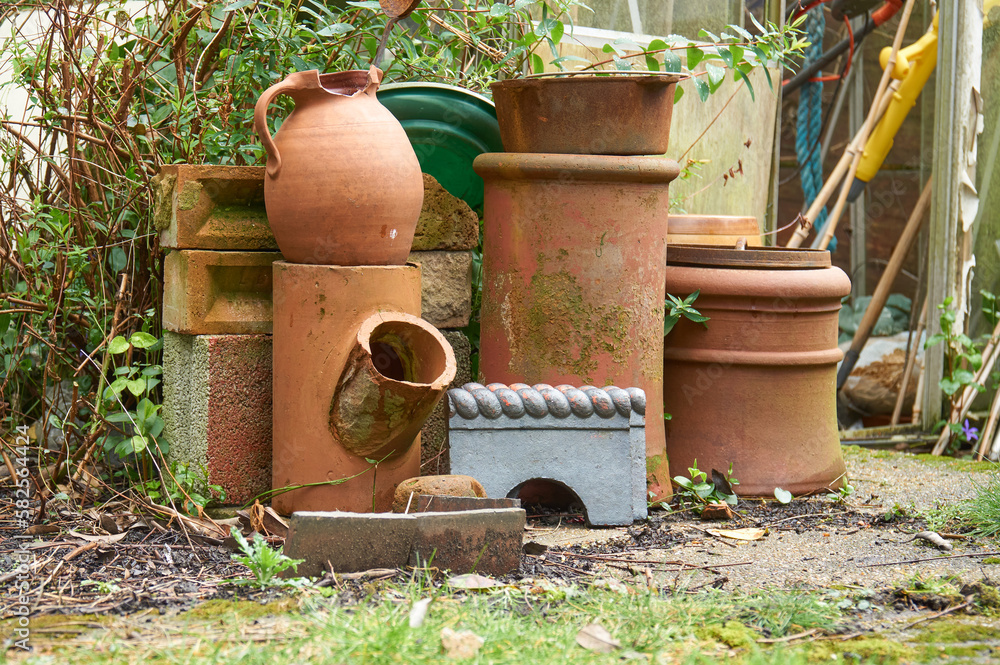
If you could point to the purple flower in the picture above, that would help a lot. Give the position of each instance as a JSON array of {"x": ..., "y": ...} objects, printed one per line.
[{"x": 970, "y": 433}]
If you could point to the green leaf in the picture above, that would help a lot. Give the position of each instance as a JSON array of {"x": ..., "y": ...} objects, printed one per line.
[
  {"x": 702, "y": 88},
  {"x": 652, "y": 64},
  {"x": 741, "y": 32},
  {"x": 366, "y": 4},
  {"x": 499, "y": 10},
  {"x": 118, "y": 345},
  {"x": 537, "y": 65},
  {"x": 716, "y": 75},
  {"x": 621, "y": 64},
  {"x": 672, "y": 65},
  {"x": 521, "y": 4},
  {"x": 694, "y": 56},
  {"x": 335, "y": 29},
  {"x": 678, "y": 93},
  {"x": 949, "y": 386},
  {"x": 142, "y": 340},
  {"x": 783, "y": 496},
  {"x": 705, "y": 34},
  {"x": 136, "y": 386},
  {"x": 934, "y": 339}
]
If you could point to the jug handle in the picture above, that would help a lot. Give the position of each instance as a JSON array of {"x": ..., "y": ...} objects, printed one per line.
[{"x": 292, "y": 83}]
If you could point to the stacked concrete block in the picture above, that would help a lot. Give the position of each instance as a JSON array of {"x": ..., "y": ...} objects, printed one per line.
[
  {"x": 588, "y": 439},
  {"x": 217, "y": 309}
]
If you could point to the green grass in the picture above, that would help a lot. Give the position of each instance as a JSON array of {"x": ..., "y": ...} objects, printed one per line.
[
  {"x": 980, "y": 515},
  {"x": 535, "y": 623}
]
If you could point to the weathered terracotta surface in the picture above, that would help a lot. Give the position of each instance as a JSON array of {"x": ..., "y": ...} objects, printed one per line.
[
  {"x": 394, "y": 377},
  {"x": 318, "y": 313},
  {"x": 713, "y": 230},
  {"x": 208, "y": 292},
  {"x": 607, "y": 115},
  {"x": 757, "y": 386},
  {"x": 574, "y": 262},
  {"x": 212, "y": 207},
  {"x": 343, "y": 185}
]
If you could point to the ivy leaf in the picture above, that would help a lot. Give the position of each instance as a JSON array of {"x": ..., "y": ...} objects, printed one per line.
[
  {"x": 142, "y": 340},
  {"x": 118, "y": 345},
  {"x": 949, "y": 386}
]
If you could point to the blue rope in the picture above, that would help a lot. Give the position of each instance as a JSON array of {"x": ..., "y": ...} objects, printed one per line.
[{"x": 810, "y": 120}]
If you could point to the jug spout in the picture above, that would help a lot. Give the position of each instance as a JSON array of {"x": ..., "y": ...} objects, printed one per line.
[{"x": 395, "y": 375}]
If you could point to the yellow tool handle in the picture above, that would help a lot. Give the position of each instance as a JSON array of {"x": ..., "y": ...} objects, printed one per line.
[{"x": 914, "y": 65}]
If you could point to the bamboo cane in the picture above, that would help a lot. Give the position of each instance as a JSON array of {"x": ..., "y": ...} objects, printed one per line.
[
  {"x": 919, "y": 396},
  {"x": 906, "y": 240},
  {"x": 911, "y": 359},
  {"x": 986, "y": 436},
  {"x": 838, "y": 173},
  {"x": 857, "y": 146}
]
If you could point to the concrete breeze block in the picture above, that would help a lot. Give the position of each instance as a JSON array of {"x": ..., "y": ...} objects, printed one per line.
[
  {"x": 485, "y": 541},
  {"x": 589, "y": 439},
  {"x": 446, "y": 290},
  {"x": 212, "y": 207},
  {"x": 217, "y": 409},
  {"x": 209, "y": 292},
  {"x": 222, "y": 207}
]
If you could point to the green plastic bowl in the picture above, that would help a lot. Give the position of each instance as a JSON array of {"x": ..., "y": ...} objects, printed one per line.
[{"x": 448, "y": 127}]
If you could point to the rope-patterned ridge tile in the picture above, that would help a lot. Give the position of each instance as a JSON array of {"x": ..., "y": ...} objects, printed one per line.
[{"x": 540, "y": 400}]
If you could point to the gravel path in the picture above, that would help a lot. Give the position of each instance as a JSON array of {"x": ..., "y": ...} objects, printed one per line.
[{"x": 836, "y": 552}]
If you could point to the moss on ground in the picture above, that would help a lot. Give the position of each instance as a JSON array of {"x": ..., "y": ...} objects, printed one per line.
[
  {"x": 868, "y": 650},
  {"x": 244, "y": 609}
]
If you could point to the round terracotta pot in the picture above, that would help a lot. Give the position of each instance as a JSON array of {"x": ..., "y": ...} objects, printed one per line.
[
  {"x": 343, "y": 185},
  {"x": 723, "y": 230},
  {"x": 591, "y": 115},
  {"x": 573, "y": 269},
  {"x": 756, "y": 387}
]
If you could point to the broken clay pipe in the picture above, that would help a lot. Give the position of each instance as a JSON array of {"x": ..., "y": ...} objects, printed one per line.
[{"x": 395, "y": 375}]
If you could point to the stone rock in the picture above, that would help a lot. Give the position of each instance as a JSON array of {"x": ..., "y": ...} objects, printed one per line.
[
  {"x": 434, "y": 458},
  {"x": 446, "y": 292},
  {"x": 436, "y": 486},
  {"x": 446, "y": 221}
]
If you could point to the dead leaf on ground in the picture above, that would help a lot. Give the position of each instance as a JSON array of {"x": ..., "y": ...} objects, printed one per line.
[
  {"x": 594, "y": 637},
  {"x": 460, "y": 644},
  {"x": 750, "y": 533},
  {"x": 99, "y": 539},
  {"x": 717, "y": 511},
  {"x": 419, "y": 612},
  {"x": 473, "y": 581},
  {"x": 39, "y": 529}
]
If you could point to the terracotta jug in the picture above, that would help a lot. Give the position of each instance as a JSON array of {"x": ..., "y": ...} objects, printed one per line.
[{"x": 343, "y": 185}]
